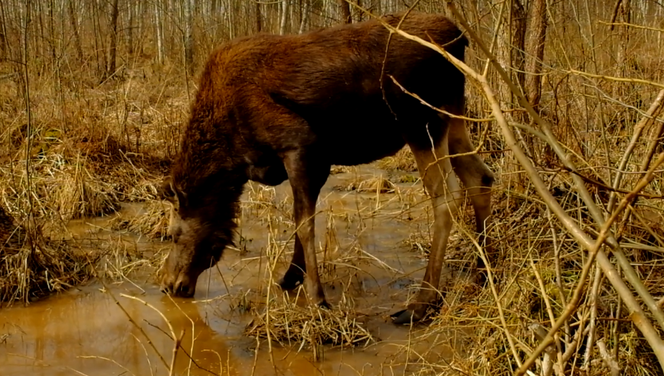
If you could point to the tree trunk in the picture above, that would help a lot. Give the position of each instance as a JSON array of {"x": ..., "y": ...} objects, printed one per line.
[
  {"x": 284, "y": 17},
  {"x": 346, "y": 16},
  {"x": 4, "y": 47},
  {"x": 622, "y": 58},
  {"x": 510, "y": 47},
  {"x": 188, "y": 37},
  {"x": 509, "y": 53},
  {"x": 133, "y": 10},
  {"x": 518, "y": 23},
  {"x": 73, "y": 20},
  {"x": 113, "y": 44},
  {"x": 40, "y": 36},
  {"x": 305, "y": 16},
  {"x": 51, "y": 31},
  {"x": 536, "y": 36},
  {"x": 259, "y": 23},
  {"x": 359, "y": 15},
  {"x": 99, "y": 41},
  {"x": 159, "y": 31}
]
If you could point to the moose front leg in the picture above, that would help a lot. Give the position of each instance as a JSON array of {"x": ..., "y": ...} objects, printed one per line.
[
  {"x": 306, "y": 178},
  {"x": 295, "y": 274}
]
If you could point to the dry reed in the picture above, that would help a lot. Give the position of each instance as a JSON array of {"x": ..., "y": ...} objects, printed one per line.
[
  {"x": 152, "y": 220},
  {"x": 32, "y": 267},
  {"x": 309, "y": 326}
]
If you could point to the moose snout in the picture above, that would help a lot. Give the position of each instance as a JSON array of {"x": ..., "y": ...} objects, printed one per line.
[{"x": 180, "y": 285}]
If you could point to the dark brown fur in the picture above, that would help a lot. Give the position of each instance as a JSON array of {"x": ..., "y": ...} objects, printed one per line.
[{"x": 271, "y": 108}]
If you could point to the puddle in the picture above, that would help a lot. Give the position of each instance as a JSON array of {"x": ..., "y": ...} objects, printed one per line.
[{"x": 84, "y": 331}]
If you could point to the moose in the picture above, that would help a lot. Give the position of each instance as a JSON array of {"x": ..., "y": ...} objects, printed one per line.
[{"x": 271, "y": 108}]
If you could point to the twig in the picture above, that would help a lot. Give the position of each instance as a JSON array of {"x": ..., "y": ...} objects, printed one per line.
[
  {"x": 594, "y": 292},
  {"x": 176, "y": 346},
  {"x": 627, "y": 24},
  {"x": 597, "y": 215},
  {"x": 593, "y": 247},
  {"x": 617, "y": 79},
  {"x": 140, "y": 329},
  {"x": 440, "y": 110},
  {"x": 492, "y": 285},
  {"x": 106, "y": 359},
  {"x": 608, "y": 360},
  {"x": 549, "y": 310},
  {"x": 653, "y": 112}
]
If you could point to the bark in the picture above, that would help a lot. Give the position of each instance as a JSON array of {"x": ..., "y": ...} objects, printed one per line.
[
  {"x": 305, "y": 16},
  {"x": 188, "y": 36},
  {"x": 4, "y": 47},
  {"x": 622, "y": 58},
  {"x": 284, "y": 17},
  {"x": 346, "y": 16},
  {"x": 518, "y": 25},
  {"x": 113, "y": 44},
  {"x": 73, "y": 21},
  {"x": 259, "y": 22},
  {"x": 51, "y": 31},
  {"x": 536, "y": 37},
  {"x": 100, "y": 58},
  {"x": 133, "y": 10},
  {"x": 159, "y": 31},
  {"x": 511, "y": 42}
]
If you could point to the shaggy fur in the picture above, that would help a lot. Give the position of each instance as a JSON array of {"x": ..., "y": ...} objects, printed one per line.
[{"x": 271, "y": 108}]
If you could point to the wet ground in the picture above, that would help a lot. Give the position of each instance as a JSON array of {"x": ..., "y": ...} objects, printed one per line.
[{"x": 370, "y": 242}]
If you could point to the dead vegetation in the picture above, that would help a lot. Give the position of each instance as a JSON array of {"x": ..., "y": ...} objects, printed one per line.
[
  {"x": 93, "y": 144},
  {"x": 151, "y": 219},
  {"x": 32, "y": 267},
  {"x": 307, "y": 327}
]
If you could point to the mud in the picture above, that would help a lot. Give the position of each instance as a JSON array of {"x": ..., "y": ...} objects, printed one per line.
[{"x": 370, "y": 244}]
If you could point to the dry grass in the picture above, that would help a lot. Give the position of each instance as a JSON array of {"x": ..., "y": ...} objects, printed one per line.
[
  {"x": 530, "y": 287},
  {"x": 152, "y": 220},
  {"x": 376, "y": 184},
  {"x": 309, "y": 326},
  {"x": 95, "y": 145},
  {"x": 46, "y": 267},
  {"x": 32, "y": 267},
  {"x": 403, "y": 160}
]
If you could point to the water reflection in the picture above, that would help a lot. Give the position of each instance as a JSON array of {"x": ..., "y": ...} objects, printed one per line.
[{"x": 86, "y": 331}]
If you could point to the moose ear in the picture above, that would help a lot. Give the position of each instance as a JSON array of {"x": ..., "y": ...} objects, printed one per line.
[{"x": 166, "y": 191}]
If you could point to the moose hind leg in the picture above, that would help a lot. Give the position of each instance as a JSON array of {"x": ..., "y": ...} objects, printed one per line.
[
  {"x": 476, "y": 177},
  {"x": 442, "y": 187}
]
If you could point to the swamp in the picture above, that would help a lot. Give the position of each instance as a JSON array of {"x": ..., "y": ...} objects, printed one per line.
[{"x": 563, "y": 101}]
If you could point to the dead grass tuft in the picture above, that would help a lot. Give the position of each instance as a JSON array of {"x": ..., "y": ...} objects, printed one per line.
[
  {"x": 403, "y": 160},
  {"x": 287, "y": 323},
  {"x": 151, "y": 220},
  {"x": 375, "y": 183},
  {"x": 32, "y": 267}
]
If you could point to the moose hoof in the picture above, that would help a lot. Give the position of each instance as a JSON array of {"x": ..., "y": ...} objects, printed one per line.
[
  {"x": 290, "y": 282},
  {"x": 406, "y": 316}
]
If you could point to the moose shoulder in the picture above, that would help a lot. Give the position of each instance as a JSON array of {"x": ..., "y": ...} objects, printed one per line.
[{"x": 271, "y": 108}]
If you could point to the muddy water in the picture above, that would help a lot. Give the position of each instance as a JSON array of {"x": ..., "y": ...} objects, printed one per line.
[{"x": 366, "y": 256}]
